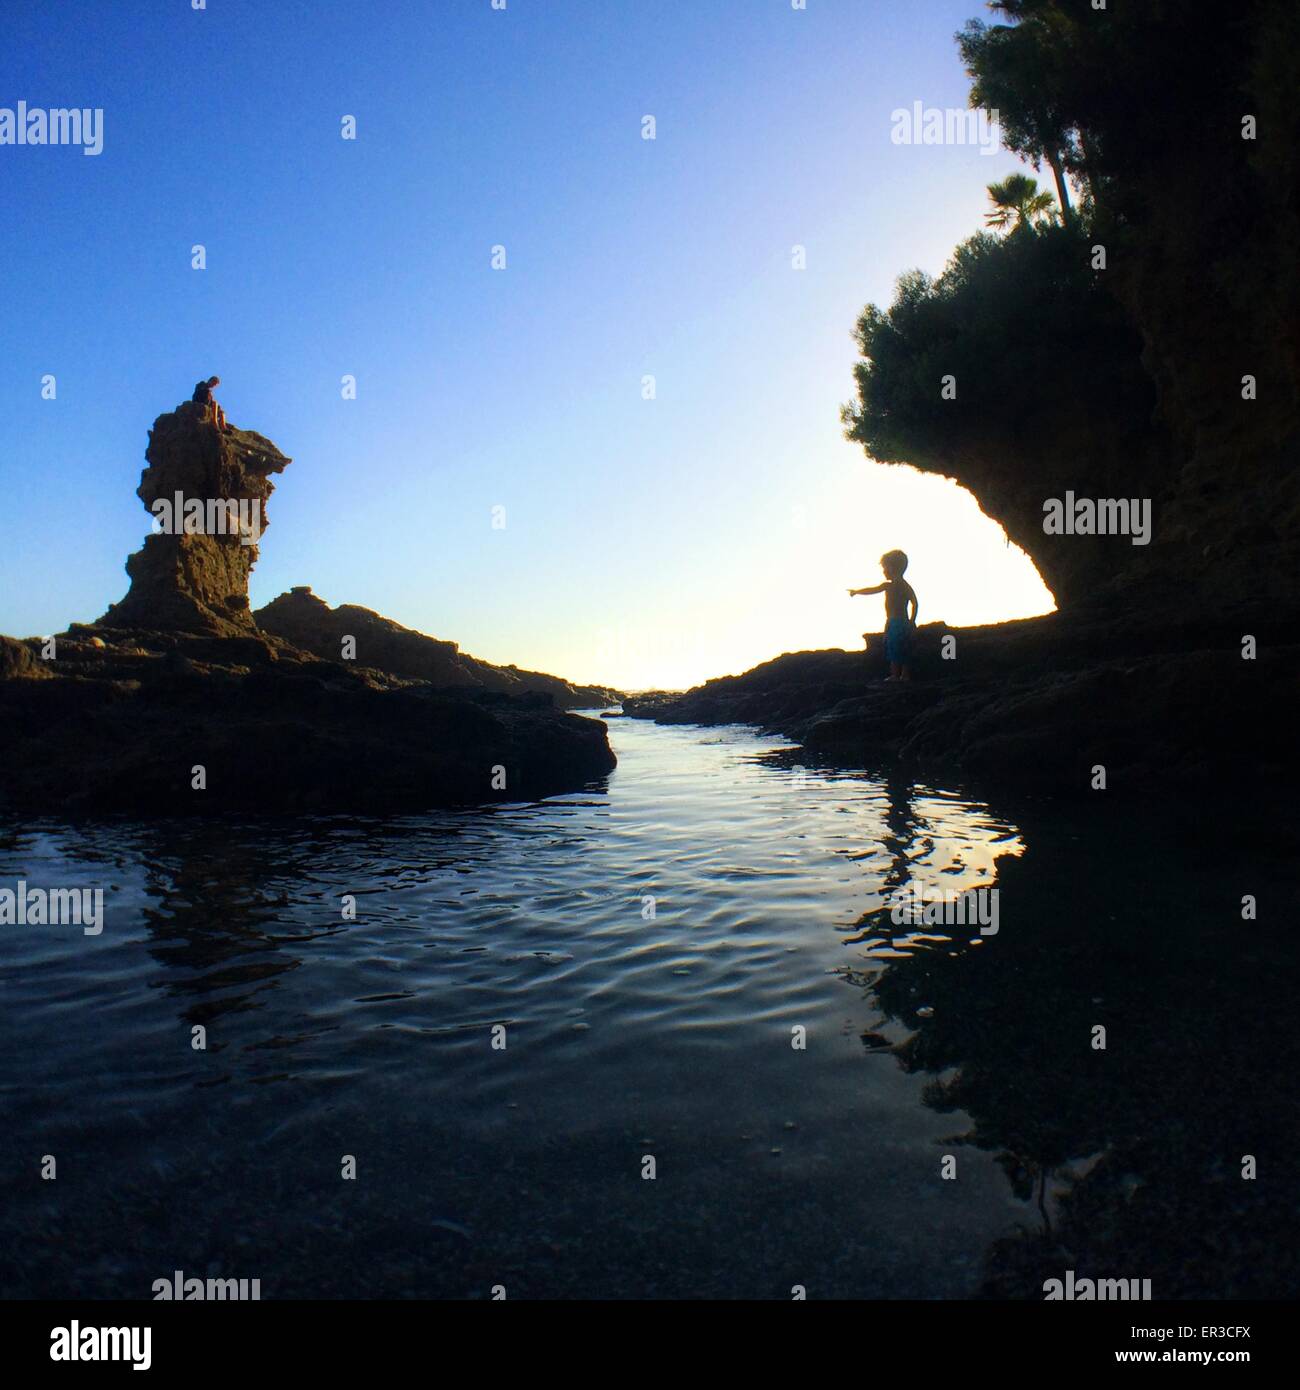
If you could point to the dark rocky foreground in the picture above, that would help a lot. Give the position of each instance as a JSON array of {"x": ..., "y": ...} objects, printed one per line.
[
  {"x": 180, "y": 684},
  {"x": 1039, "y": 704},
  {"x": 124, "y": 717}
]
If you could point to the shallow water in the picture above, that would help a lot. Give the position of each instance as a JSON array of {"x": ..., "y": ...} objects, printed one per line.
[{"x": 651, "y": 947}]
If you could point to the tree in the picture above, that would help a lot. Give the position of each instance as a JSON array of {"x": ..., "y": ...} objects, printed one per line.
[
  {"x": 1015, "y": 72},
  {"x": 1019, "y": 197}
]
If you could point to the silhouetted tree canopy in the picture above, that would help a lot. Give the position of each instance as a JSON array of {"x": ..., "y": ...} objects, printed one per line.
[
  {"x": 984, "y": 322},
  {"x": 1142, "y": 105}
]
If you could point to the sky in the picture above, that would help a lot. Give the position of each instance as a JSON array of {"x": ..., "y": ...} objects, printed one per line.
[{"x": 504, "y": 477}]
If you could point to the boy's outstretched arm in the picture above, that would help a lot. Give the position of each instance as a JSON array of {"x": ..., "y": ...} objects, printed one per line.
[{"x": 875, "y": 589}]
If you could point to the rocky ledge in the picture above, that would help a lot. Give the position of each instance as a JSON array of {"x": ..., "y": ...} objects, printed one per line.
[
  {"x": 308, "y": 622},
  {"x": 124, "y": 720},
  {"x": 1040, "y": 703},
  {"x": 177, "y": 700}
]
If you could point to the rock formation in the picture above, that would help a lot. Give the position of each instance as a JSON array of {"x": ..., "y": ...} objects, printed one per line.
[
  {"x": 312, "y": 625},
  {"x": 175, "y": 702},
  {"x": 209, "y": 489}
]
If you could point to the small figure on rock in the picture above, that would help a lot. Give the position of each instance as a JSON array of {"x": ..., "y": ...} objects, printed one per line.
[
  {"x": 203, "y": 396},
  {"x": 900, "y": 623}
]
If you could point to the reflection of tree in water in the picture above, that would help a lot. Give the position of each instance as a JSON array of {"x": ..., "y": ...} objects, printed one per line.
[{"x": 1131, "y": 1157}]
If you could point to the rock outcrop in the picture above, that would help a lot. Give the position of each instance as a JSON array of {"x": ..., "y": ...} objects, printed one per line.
[
  {"x": 129, "y": 718},
  {"x": 1037, "y": 703},
  {"x": 311, "y": 624},
  {"x": 208, "y": 490},
  {"x": 175, "y": 702}
]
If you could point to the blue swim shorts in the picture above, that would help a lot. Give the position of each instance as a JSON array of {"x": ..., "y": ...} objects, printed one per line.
[{"x": 898, "y": 641}]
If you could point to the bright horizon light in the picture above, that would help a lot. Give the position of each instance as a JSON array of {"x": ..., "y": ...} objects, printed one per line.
[{"x": 963, "y": 568}]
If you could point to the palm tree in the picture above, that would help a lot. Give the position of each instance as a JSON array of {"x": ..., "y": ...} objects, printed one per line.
[
  {"x": 1018, "y": 71},
  {"x": 1019, "y": 197}
]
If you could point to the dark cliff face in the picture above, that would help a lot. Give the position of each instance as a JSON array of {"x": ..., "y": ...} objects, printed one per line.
[
  {"x": 311, "y": 624},
  {"x": 197, "y": 581},
  {"x": 1205, "y": 224}
]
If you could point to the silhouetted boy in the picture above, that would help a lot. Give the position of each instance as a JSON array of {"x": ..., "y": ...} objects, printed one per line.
[
  {"x": 203, "y": 396},
  {"x": 900, "y": 625}
]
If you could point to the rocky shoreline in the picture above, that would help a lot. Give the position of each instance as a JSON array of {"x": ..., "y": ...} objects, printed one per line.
[
  {"x": 127, "y": 719},
  {"x": 1038, "y": 703}
]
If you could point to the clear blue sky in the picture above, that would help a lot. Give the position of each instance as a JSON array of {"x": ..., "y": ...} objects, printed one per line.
[{"x": 646, "y": 542}]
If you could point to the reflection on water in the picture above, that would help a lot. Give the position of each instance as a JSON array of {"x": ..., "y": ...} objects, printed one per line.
[{"x": 655, "y": 949}]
